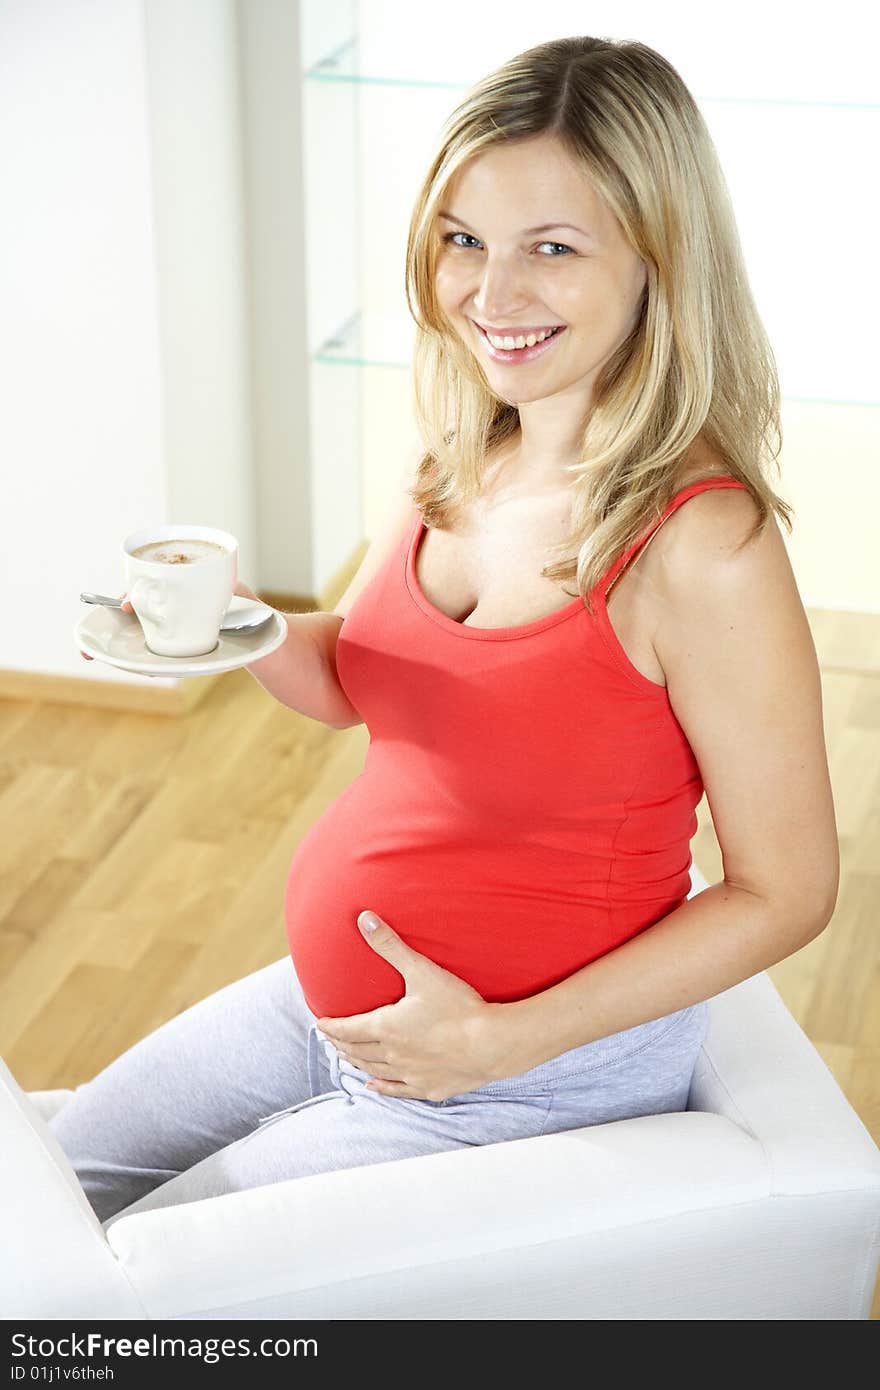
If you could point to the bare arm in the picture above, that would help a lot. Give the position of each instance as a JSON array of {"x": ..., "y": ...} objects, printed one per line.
[{"x": 301, "y": 673}]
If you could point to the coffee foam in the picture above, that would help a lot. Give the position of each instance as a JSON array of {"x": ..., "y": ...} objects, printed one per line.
[{"x": 181, "y": 550}]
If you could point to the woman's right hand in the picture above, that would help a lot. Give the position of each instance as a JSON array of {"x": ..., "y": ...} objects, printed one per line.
[{"x": 126, "y": 608}]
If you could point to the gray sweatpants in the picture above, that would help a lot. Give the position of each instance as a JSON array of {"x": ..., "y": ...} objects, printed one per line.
[{"x": 242, "y": 1090}]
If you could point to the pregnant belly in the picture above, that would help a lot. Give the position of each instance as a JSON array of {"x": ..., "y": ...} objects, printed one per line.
[{"x": 506, "y": 923}]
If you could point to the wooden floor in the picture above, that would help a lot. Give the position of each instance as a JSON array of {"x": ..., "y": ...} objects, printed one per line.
[{"x": 143, "y": 862}]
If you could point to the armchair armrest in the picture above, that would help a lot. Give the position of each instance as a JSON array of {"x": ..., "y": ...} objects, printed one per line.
[
  {"x": 54, "y": 1252},
  {"x": 426, "y": 1237}
]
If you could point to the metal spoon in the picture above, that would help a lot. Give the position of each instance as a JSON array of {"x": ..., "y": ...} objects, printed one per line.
[{"x": 243, "y": 620}]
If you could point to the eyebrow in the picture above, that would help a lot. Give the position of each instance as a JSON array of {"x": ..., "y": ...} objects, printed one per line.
[{"x": 529, "y": 231}]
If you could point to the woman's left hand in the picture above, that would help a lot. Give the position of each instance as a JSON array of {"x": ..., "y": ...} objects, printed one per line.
[{"x": 440, "y": 1039}]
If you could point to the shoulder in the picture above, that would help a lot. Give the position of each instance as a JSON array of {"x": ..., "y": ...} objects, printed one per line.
[
  {"x": 720, "y": 571},
  {"x": 716, "y": 537},
  {"x": 729, "y": 620}
]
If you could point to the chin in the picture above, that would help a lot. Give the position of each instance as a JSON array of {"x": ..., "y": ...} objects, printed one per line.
[{"x": 527, "y": 395}]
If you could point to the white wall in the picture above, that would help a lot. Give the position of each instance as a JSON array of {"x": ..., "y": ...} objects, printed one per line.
[
  {"x": 271, "y": 122},
  {"x": 166, "y": 282},
  {"x": 123, "y": 337},
  {"x": 81, "y": 447},
  {"x": 194, "y": 110}
]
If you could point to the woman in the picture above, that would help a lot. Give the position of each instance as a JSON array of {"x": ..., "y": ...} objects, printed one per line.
[{"x": 541, "y": 730}]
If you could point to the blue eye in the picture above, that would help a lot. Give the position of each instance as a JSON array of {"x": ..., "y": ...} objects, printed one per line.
[{"x": 449, "y": 237}]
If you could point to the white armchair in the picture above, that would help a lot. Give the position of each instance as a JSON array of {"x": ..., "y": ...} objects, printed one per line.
[{"x": 760, "y": 1201}]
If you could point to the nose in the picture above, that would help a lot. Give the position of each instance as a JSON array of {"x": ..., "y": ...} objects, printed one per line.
[{"x": 501, "y": 296}]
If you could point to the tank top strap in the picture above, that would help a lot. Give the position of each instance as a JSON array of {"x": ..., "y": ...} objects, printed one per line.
[{"x": 702, "y": 485}]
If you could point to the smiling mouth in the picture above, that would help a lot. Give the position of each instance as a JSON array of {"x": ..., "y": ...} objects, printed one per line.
[{"x": 515, "y": 354}]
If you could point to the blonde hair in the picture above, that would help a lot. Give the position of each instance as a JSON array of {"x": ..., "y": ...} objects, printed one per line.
[{"x": 697, "y": 362}]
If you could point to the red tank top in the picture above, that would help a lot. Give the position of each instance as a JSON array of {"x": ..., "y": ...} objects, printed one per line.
[{"x": 526, "y": 805}]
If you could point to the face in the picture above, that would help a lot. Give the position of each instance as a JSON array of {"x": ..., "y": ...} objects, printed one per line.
[{"x": 583, "y": 280}]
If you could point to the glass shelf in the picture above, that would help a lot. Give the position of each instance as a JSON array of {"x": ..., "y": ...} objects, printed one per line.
[
  {"x": 343, "y": 64},
  {"x": 370, "y": 340},
  {"x": 401, "y": 58}
]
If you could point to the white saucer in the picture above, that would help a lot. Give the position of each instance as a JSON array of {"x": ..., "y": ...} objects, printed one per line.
[{"x": 117, "y": 638}]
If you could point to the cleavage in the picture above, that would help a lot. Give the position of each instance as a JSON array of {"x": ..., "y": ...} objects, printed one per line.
[
  {"x": 486, "y": 575},
  {"x": 485, "y": 571}
]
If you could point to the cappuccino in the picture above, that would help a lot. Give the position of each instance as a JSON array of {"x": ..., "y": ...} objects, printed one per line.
[{"x": 179, "y": 551}]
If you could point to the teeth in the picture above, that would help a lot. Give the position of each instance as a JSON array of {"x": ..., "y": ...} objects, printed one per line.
[{"x": 508, "y": 344}]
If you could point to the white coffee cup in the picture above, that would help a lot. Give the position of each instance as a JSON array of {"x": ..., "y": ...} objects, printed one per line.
[{"x": 181, "y": 589}]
